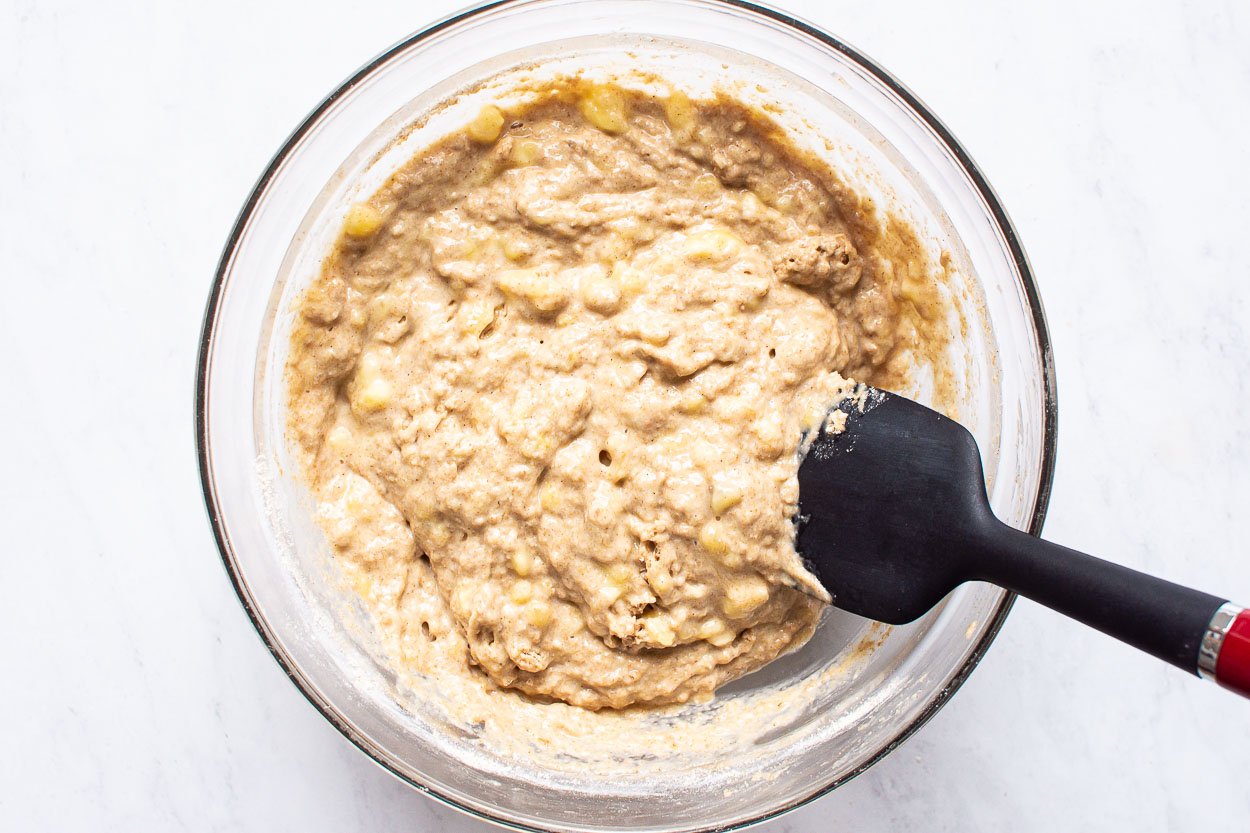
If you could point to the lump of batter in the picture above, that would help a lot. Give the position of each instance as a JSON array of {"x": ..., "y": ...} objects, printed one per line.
[{"x": 550, "y": 386}]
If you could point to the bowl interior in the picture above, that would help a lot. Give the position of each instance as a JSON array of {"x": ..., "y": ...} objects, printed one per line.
[{"x": 769, "y": 741}]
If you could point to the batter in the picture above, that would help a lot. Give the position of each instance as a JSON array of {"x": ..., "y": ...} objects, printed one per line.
[{"x": 549, "y": 387}]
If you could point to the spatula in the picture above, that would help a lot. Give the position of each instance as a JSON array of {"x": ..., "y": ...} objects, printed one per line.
[{"x": 893, "y": 515}]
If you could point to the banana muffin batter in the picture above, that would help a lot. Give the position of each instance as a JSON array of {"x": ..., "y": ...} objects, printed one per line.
[{"x": 549, "y": 390}]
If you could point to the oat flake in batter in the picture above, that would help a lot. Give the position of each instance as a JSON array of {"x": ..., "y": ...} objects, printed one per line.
[{"x": 549, "y": 388}]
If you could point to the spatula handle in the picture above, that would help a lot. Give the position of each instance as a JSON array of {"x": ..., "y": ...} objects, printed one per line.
[{"x": 1200, "y": 633}]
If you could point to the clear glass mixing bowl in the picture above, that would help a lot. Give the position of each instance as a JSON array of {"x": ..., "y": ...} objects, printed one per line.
[{"x": 771, "y": 741}]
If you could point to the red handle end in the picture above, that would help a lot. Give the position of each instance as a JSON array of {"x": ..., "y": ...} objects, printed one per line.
[{"x": 1232, "y": 666}]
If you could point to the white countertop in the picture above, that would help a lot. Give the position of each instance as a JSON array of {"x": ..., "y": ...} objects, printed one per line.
[{"x": 136, "y": 695}]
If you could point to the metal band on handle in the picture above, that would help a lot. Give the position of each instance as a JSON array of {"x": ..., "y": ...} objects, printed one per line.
[{"x": 1213, "y": 639}]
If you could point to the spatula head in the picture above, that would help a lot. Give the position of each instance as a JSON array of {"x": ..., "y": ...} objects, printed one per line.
[{"x": 889, "y": 506}]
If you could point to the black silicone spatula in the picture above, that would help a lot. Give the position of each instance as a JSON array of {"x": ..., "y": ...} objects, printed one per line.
[{"x": 894, "y": 515}]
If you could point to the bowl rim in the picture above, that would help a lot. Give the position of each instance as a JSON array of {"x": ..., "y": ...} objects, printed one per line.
[{"x": 997, "y": 214}]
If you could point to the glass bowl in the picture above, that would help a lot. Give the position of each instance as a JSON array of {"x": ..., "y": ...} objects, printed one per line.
[{"x": 771, "y": 741}]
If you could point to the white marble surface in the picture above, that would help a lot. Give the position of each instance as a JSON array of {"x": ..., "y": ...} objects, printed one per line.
[{"x": 136, "y": 695}]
